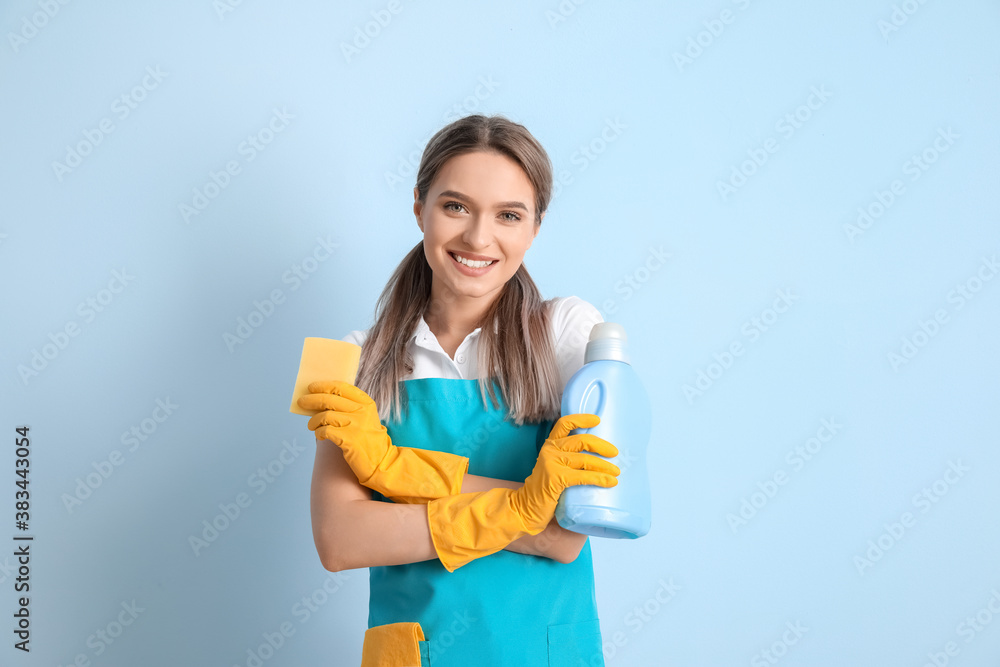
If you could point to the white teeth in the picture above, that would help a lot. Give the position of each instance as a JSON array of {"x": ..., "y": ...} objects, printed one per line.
[{"x": 472, "y": 263}]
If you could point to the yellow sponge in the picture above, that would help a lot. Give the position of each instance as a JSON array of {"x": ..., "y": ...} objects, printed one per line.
[{"x": 324, "y": 359}]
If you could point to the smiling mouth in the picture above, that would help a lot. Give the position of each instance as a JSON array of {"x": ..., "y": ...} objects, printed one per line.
[{"x": 471, "y": 263}]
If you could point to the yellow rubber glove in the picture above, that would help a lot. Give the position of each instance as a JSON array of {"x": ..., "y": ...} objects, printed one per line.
[
  {"x": 349, "y": 418},
  {"x": 472, "y": 525}
]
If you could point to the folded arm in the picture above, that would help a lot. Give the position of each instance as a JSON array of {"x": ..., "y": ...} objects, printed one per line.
[
  {"x": 351, "y": 530},
  {"x": 554, "y": 542}
]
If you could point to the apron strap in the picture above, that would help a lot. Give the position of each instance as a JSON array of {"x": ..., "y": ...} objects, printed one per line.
[{"x": 392, "y": 645}]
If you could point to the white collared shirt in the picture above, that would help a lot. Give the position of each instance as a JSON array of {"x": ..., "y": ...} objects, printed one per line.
[{"x": 570, "y": 318}]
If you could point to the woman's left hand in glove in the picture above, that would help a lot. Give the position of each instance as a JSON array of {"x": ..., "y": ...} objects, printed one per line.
[{"x": 348, "y": 417}]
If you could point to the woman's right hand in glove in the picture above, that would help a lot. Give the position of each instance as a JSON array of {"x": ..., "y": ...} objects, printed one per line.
[{"x": 472, "y": 525}]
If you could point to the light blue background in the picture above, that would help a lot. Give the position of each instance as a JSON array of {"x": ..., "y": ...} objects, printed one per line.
[{"x": 682, "y": 129}]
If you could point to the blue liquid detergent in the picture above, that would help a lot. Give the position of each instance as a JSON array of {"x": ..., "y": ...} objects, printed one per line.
[{"x": 609, "y": 387}]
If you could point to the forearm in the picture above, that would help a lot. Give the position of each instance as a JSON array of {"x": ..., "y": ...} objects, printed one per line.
[
  {"x": 351, "y": 530},
  {"x": 369, "y": 533},
  {"x": 554, "y": 542}
]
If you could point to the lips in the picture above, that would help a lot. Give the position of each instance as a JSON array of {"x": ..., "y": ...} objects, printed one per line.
[
  {"x": 467, "y": 268},
  {"x": 472, "y": 261}
]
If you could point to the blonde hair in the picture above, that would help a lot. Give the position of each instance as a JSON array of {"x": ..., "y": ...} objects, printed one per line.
[{"x": 516, "y": 351}]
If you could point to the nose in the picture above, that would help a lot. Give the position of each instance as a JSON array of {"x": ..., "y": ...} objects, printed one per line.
[{"x": 477, "y": 232}]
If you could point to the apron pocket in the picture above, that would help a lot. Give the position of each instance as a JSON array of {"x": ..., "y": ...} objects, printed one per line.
[
  {"x": 394, "y": 645},
  {"x": 575, "y": 644}
]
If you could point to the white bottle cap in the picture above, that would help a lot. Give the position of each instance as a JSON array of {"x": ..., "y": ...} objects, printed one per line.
[
  {"x": 607, "y": 341},
  {"x": 608, "y": 330}
]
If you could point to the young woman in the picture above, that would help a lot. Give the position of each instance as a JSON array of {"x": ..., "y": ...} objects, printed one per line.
[{"x": 440, "y": 470}]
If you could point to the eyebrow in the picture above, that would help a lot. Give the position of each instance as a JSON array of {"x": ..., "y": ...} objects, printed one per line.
[{"x": 503, "y": 204}]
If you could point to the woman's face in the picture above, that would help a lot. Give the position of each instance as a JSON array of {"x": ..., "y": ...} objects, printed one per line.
[{"x": 480, "y": 208}]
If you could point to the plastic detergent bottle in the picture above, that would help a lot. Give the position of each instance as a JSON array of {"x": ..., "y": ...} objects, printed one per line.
[{"x": 607, "y": 386}]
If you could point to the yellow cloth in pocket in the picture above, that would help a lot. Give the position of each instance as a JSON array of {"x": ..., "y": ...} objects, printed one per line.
[{"x": 392, "y": 645}]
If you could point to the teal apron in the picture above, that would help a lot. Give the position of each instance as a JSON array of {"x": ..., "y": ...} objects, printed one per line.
[{"x": 499, "y": 610}]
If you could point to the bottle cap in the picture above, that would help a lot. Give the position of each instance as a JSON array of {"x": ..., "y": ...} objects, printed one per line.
[
  {"x": 608, "y": 330},
  {"x": 607, "y": 341}
]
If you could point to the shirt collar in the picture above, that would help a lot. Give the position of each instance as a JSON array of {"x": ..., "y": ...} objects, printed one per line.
[{"x": 424, "y": 337}]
